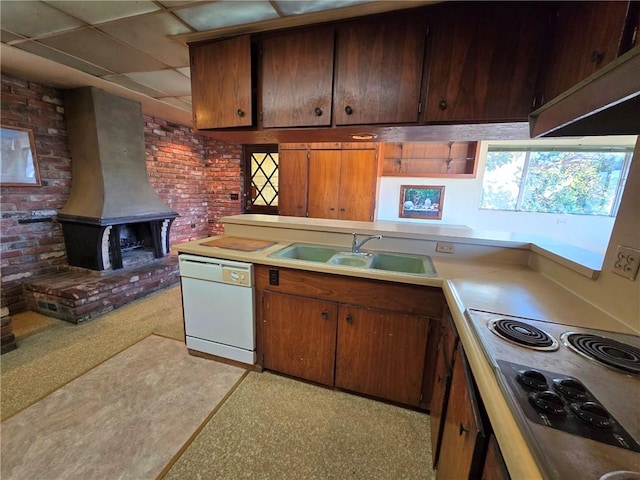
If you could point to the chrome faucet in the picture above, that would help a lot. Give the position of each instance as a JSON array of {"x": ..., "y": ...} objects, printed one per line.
[{"x": 355, "y": 246}]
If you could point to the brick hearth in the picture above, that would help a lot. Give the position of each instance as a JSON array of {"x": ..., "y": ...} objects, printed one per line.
[{"x": 78, "y": 296}]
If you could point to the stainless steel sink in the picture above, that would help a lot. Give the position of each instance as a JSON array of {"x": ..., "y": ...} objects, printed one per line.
[{"x": 388, "y": 261}]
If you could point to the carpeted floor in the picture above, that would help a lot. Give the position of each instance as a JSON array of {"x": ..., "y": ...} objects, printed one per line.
[{"x": 270, "y": 427}]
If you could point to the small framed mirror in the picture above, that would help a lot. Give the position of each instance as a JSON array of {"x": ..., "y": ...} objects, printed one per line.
[{"x": 18, "y": 161}]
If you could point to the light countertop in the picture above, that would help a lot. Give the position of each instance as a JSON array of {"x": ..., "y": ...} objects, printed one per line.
[{"x": 508, "y": 287}]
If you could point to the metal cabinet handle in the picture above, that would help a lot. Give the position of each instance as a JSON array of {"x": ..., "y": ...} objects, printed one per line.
[
  {"x": 240, "y": 112},
  {"x": 462, "y": 429},
  {"x": 348, "y": 110},
  {"x": 442, "y": 105},
  {"x": 596, "y": 56},
  {"x": 325, "y": 314},
  {"x": 349, "y": 319},
  {"x": 318, "y": 112}
]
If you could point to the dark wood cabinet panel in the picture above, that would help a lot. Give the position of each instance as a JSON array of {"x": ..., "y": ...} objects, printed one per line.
[
  {"x": 381, "y": 353},
  {"x": 463, "y": 439},
  {"x": 484, "y": 60},
  {"x": 293, "y": 172},
  {"x": 379, "y": 65},
  {"x": 221, "y": 86},
  {"x": 297, "y": 78},
  {"x": 587, "y": 36},
  {"x": 494, "y": 466},
  {"x": 299, "y": 336}
]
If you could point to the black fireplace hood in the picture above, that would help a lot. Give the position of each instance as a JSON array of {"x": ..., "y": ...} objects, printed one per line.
[
  {"x": 110, "y": 183},
  {"x": 606, "y": 103}
]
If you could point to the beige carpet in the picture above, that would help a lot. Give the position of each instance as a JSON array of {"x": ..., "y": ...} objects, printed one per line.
[
  {"x": 273, "y": 427},
  {"x": 270, "y": 427},
  {"x": 126, "y": 418}
]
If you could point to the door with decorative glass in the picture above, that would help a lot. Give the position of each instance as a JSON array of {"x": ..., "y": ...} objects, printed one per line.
[{"x": 261, "y": 179}]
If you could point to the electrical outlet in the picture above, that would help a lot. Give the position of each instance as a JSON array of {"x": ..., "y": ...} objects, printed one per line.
[
  {"x": 445, "y": 247},
  {"x": 626, "y": 262}
]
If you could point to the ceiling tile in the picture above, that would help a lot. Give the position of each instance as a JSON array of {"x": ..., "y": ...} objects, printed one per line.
[
  {"x": 176, "y": 102},
  {"x": 42, "y": 19},
  {"x": 177, "y": 3},
  {"x": 59, "y": 57},
  {"x": 186, "y": 99},
  {"x": 296, "y": 7},
  {"x": 99, "y": 11},
  {"x": 99, "y": 49},
  {"x": 186, "y": 71},
  {"x": 131, "y": 85},
  {"x": 7, "y": 37},
  {"x": 150, "y": 34},
  {"x": 168, "y": 81},
  {"x": 226, "y": 13}
]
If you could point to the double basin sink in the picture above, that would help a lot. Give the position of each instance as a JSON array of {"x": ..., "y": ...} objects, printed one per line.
[{"x": 393, "y": 262}]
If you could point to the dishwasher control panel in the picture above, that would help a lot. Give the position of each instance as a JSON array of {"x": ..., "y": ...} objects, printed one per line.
[{"x": 236, "y": 276}]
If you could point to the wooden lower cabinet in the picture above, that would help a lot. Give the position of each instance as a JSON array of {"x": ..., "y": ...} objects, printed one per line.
[
  {"x": 381, "y": 353},
  {"x": 299, "y": 336},
  {"x": 494, "y": 466},
  {"x": 361, "y": 335},
  {"x": 463, "y": 444}
]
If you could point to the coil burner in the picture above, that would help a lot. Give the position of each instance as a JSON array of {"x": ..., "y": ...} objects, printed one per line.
[
  {"x": 523, "y": 334},
  {"x": 605, "y": 351}
]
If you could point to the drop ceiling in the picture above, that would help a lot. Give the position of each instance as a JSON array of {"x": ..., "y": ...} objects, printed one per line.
[{"x": 138, "y": 49}]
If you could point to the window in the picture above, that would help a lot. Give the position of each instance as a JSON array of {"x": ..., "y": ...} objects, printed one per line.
[
  {"x": 569, "y": 180},
  {"x": 261, "y": 174}
]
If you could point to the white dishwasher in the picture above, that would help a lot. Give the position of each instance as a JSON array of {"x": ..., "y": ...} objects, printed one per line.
[{"x": 217, "y": 299}]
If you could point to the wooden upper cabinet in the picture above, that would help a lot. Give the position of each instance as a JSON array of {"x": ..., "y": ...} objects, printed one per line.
[
  {"x": 379, "y": 65},
  {"x": 221, "y": 83},
  {"x": 357, "y": 185},
  {"x": 297, "y": 78},
  {"x": 293, "y": 171},
  {"x": 484, "y": 60},
  {"x": 588, "y": 35}
]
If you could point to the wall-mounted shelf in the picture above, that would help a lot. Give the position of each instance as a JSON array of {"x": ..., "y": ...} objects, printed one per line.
[{"x": 430, "y": 159}]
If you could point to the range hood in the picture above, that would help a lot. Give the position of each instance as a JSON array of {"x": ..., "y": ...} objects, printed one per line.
[
  {"x": 606, "y": 103},
  {"x": 110, "y": 180}
]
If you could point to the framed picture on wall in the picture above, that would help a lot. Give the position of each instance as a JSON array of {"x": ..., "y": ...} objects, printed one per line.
[
  {"x": 18, "y": 161},
  {"x": 421, "y": 201}
]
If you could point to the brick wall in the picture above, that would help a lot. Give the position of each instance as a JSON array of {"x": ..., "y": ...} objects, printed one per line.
[{"x": 193, "y": 174}]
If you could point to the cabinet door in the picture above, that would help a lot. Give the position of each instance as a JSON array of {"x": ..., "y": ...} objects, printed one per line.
[
  {"x": 494, "y": 466},
  {"x": 357, "y": 185},
  {"x": 292, "y": 182},
  {"x": 588, "y": 35},
  {"x": 442, "y": 383},
  {"x": 484, "y": 61},
  {"x": 381, "y": 353},
  {"x": 299, "y": 336},
  {"x": 324, "y": 183},
  {"x": 379, "y": 70},
  {"x": 463, "y": 438},
  {"x": 221, "y": 83},
  {"x": 297, "y": 78}
]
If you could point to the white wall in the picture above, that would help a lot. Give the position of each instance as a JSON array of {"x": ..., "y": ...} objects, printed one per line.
[{"x": 462, "y": 200}]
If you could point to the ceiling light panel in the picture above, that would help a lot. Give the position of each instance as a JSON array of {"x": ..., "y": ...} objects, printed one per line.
[
  {"x": 100, "y": 11},
  {"x": 150, "y": 34},
  {"x": 226, "y": 14},
  {"x": 7, "y": 37},
  {"x": 186, "y": 71},
  {"x": 100, "y": 49},
  {"x": 176, "y": 102},
  {"x": 297, "y": 7},
  {"x": 42, "y": 19},
  {"x": 169, "y": 81}
]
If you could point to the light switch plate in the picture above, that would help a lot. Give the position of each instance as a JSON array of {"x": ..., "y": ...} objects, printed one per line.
[{"x": 626, "y": 262}]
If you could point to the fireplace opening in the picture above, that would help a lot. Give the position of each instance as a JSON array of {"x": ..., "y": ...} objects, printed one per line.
[{"x": 136, "y": 245}]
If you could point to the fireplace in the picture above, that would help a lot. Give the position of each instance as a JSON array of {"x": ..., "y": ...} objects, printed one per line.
[
  {"x": 113, "y": 218},
  {"x": 121, "y": 245}
]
